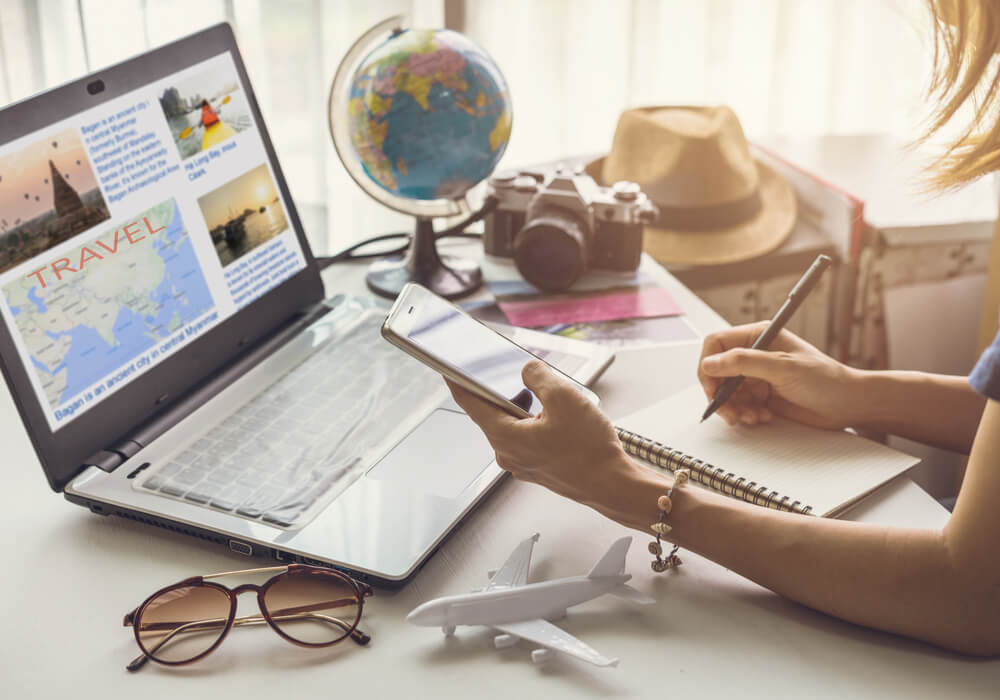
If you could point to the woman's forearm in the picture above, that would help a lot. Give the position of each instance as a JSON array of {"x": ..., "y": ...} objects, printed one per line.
[
  {"x": 898, "y": 580},
  {"x": 933, "y": 409}
]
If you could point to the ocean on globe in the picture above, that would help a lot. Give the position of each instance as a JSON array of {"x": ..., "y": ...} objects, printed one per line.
[{"x": 429, "y": 114}]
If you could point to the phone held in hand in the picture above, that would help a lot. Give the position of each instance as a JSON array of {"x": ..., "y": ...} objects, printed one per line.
[{"x": 464, "y": 350}]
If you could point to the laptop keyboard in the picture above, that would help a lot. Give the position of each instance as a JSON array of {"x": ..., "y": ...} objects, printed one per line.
[{"x": 305, "y": 438}]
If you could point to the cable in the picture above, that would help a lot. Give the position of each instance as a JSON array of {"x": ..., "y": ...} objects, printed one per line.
[{"x": 456, "y": 231}]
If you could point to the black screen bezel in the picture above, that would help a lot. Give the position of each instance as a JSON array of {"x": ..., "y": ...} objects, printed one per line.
[{"x": 63, "y": 453}]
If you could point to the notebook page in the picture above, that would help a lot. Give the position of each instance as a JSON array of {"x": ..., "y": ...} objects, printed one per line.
[{"x": 825, "y": 469}]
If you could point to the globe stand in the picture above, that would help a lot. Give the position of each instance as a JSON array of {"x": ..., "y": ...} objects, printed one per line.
[{"x": 422, "y": 264}]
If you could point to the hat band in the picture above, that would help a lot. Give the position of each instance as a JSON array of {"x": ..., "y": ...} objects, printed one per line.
[{"x": 710, "y": 216}]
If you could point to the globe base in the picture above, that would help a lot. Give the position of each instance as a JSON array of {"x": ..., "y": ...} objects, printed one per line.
[{"x": 449, "y": 276}]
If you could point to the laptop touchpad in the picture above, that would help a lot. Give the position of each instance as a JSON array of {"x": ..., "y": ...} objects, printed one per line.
[{"x": 441, "y": 456}]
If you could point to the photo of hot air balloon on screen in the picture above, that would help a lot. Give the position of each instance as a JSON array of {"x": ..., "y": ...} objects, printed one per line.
[{"x": 48, "y": 194}]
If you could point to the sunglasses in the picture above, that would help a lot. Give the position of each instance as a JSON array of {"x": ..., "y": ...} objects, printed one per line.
[{"x": 307, "y": 605}]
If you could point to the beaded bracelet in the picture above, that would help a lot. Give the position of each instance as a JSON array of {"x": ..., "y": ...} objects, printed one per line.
[{"x": 665, "y": 503}]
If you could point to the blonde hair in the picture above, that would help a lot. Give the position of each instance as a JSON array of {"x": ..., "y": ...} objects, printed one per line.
[{"x": 966, "y": 41}]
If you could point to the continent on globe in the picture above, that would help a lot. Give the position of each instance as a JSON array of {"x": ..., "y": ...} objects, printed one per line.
[
  {"x": 429, "y": 114},
  {"x": 81, "y": 318}
]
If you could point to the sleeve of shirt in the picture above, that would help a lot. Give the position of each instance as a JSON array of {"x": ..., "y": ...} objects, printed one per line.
[{"x": 985, "y": 377}]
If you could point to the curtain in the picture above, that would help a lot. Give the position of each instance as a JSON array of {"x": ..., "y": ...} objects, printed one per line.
[
  {"x": 794, "y": 67},
  {"x": 785, "y": 66}
]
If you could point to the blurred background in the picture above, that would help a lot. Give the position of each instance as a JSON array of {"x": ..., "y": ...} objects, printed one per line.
[{"x": 791, "y": 67}]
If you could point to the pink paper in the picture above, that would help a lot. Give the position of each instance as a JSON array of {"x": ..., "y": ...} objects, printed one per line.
[{"x": 645, "y": 302}]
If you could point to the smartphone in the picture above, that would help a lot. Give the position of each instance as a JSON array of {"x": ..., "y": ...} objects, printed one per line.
[{"x": 468, "y": 352}]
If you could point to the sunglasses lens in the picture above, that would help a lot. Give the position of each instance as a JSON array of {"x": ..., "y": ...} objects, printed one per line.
[
  {"x": 313, "y": 607},
  {"x": 182, "y": 623}
]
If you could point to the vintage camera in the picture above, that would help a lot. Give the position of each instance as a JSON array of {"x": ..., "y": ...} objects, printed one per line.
[{"x": 557, "y": 225}]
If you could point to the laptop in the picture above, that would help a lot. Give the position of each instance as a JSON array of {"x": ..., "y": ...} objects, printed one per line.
[{"x": 165, "y": 336}]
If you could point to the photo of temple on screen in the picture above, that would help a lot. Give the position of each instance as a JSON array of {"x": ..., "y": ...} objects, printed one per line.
[
  {"x": 48, "y": 194},
  {"x": 205, "y": 111},
  {"x": 243, "y": 214}
]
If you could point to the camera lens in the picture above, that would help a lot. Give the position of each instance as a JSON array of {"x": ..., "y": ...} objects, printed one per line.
[
  {"x": 550, "y": 251},
  {"x": 95, "y": 87}
]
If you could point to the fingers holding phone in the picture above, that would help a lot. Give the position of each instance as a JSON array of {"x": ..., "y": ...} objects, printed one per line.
[{"x": 570, "y": 447}]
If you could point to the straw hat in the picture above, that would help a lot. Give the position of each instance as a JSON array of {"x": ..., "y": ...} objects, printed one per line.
[{"x": 717, "y": 204}]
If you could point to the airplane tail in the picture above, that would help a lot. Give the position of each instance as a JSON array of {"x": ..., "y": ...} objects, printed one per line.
[{"x": 613, "y": 561}]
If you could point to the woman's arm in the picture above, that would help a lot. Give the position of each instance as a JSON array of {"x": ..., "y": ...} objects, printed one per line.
[
  {"x": 941, "y": 587},
  {"x": 930, "y": 408}
]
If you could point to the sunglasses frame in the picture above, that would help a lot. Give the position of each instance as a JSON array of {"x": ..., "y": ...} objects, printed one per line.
[{"x": 362, "y": 591}]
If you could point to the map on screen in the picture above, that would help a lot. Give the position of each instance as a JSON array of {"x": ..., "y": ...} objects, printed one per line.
[{"x": 104, "y": 303}]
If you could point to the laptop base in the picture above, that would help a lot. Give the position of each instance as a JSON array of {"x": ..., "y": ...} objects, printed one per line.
[{"x": 253, "y": 549}]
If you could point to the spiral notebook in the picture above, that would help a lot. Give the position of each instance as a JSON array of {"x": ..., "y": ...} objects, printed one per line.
[{"x": 781, "y": 465}]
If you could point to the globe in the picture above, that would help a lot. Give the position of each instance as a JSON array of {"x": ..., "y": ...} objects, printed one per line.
[
  {"x": 418, "y": 118},
  {"x": 428, "y": 114}
]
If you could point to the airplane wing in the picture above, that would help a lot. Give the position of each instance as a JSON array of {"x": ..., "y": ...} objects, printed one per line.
[
  {"x": 551, "y": 637},
  {"x": 514, "y": 571}
]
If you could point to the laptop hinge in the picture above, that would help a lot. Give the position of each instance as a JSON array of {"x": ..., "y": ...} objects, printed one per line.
[
  {"x": 111, "y": 459},
  {"x": 105, "y": 459},
  {"x": 127, "y": 449}
]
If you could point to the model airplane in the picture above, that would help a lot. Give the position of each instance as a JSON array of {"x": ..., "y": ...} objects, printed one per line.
[{"x": 520, "y": 610}]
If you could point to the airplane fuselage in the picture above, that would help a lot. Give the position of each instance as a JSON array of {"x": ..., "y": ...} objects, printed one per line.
[{"x": 545, "y": 600}]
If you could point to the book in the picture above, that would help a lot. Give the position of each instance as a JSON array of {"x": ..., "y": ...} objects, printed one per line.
[
  {"x": 889, "y": 175},
  {"x": 822, "y": 205},
  {"x": 781, "y": 465}
]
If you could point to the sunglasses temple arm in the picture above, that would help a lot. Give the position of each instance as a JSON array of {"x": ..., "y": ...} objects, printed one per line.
[
  {"x": 356, "y": 633},
  {"x": 360, "y": 637},
  {"x": 140, "y": 661},
  {"x": 137, "y": 663}
]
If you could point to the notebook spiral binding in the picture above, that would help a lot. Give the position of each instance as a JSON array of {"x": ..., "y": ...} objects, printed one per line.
[{"x": 715, "y": 478}]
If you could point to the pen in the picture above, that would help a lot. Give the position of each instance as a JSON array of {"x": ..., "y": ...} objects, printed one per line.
[{"x": 795, "y": 297}]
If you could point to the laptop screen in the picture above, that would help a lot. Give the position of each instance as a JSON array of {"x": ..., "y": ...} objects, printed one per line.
[{"x": 130, "y": 229}]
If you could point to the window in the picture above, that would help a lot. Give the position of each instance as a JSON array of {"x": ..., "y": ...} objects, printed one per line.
[{"x": 785, "y": 66}]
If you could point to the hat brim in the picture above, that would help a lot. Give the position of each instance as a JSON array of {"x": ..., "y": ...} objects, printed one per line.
[{"x": 761, "y": 234}]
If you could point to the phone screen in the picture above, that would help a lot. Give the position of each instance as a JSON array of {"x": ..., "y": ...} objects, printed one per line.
[{"x": 473, "y": 349}]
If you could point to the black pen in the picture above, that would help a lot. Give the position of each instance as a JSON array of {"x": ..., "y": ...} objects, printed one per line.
[{"x": 795, "y": 297}]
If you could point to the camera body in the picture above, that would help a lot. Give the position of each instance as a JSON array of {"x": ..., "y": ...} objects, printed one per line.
[{"x": 558, "y": 224}]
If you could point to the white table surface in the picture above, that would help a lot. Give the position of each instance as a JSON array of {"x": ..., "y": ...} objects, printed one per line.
[{"x": 70, "y": 576}]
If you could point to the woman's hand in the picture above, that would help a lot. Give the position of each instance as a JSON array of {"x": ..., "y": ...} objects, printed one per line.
[
  {"x": 792, "y": 379},
  {"x": 570, "y": 447}
]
